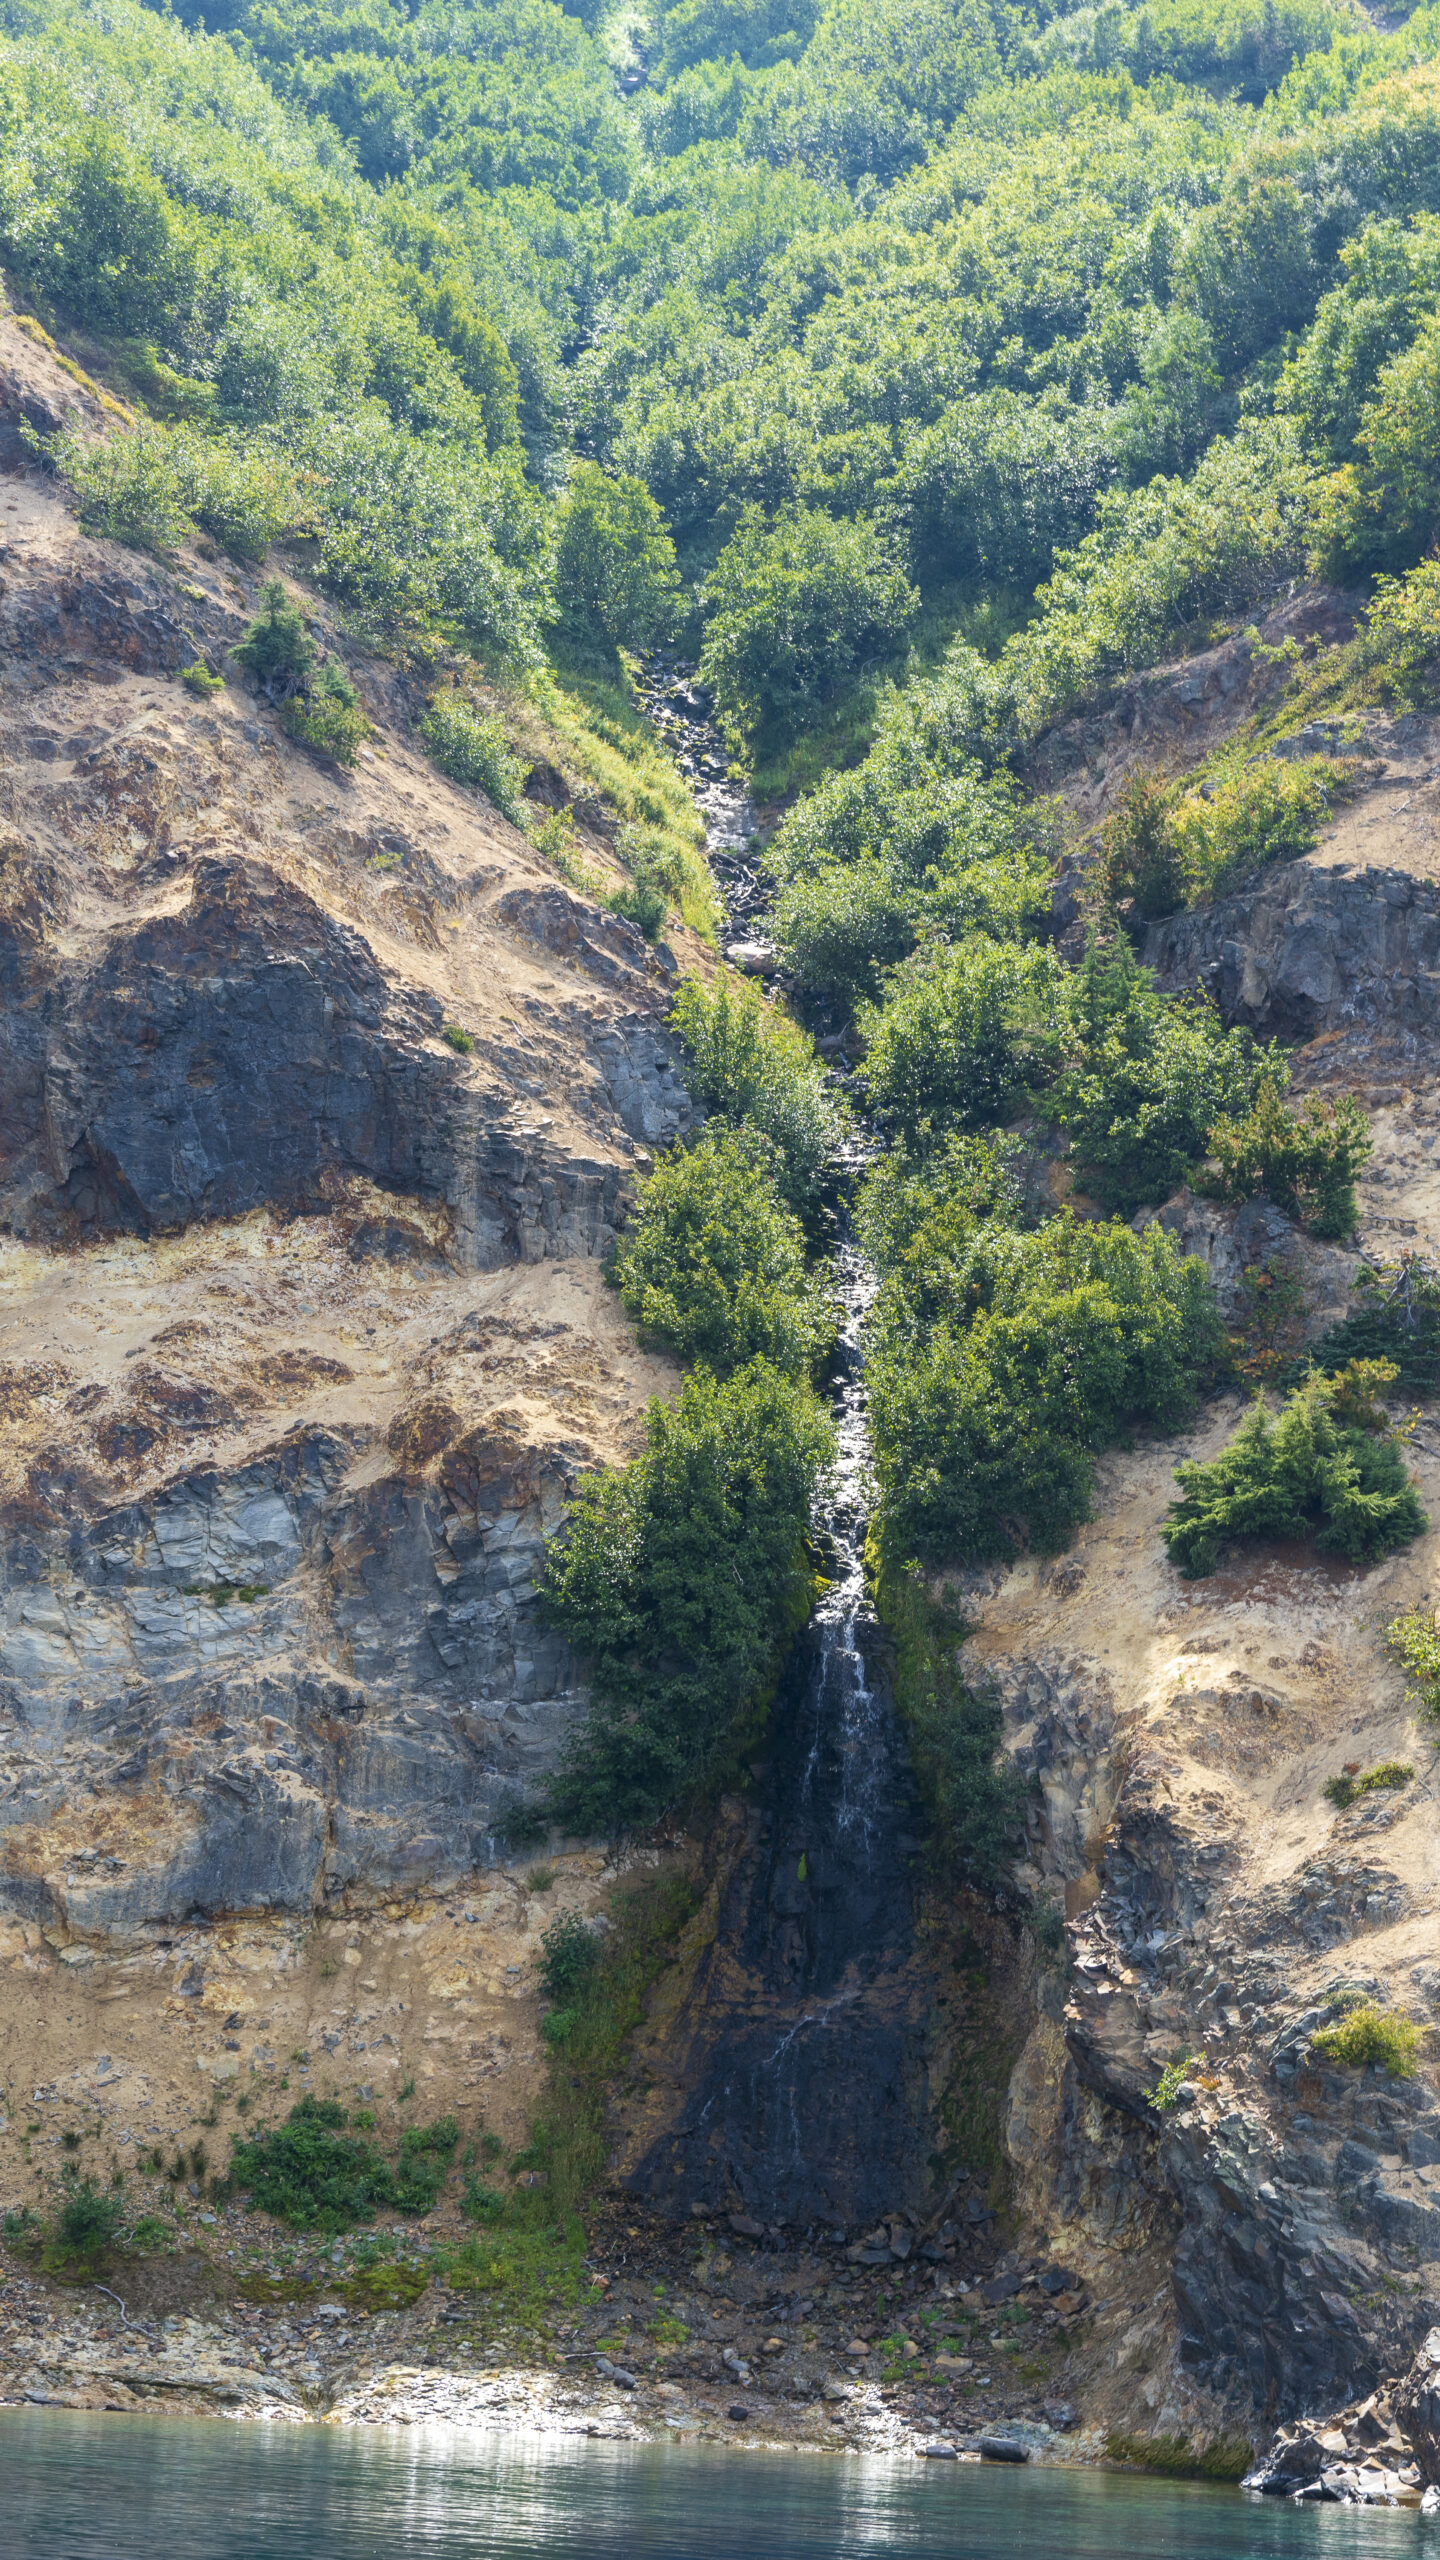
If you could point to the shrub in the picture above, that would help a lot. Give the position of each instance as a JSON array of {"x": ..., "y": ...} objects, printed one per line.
[
  {"x": 614, "y": 559},
  {"x": 793, "y": 609},
  {"x": 642, "y": 904},
  {"x": 1414, "y": 1642},
  {"x": 1344, "y": 1790},
  {"x": 132, "y": 487},
  {"x": 679, "y": 1576},
  {"x": 1403, "y": 634},
  {"x": 714, "y": 1264},
  {"x": 1170, "y": 2083},
  {"x": 1165, "y": 847},
  {"x": 426, "y": 2152},
  {"x": 328, "y": 716},
  {"x": 1002, "y": 1361},
  {"x": 277, "y": 649},
  {"x": 470, "y": 746},
  {"x": 1140, "y": 855},
  {"x": 914, "y": 1214},
  {"x": 1397, "y": 1319},
  {"x": 88, "y": 2222},
  {"x": 1305, "y": 1161},
  {"x": 752, "y": 1066},
  {"x": 314, "y": 2174},
  {"x": 153, "y": 485},
  {"x": 569, "y": 1954},
  {"x": 1307, "y": 1474},
  {"x": 973, "y": 1795},
  {"x": 1367, "y": 2034},
  {"x": 199, "y": 681},
  {"x": 962, "y": 1035},
  {"x": 461, "y": 1041},
  {"x": 1146, "y": 1077}
]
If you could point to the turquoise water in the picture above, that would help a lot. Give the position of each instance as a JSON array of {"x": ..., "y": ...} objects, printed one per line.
[{"x": 104, "y": 2488}]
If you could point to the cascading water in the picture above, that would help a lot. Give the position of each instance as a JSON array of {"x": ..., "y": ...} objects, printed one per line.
[{"x": 801, "y": 2085}]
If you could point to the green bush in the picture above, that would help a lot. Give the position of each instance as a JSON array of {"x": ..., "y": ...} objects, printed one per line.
[
  {"x": 1001, "y": 1362},
  {"x": 1167, "y": 847},
  {"x": 713, "y": 1266},
  {"x": 1305, "y": 1161},
  {"x": 915, "y": 1214},
  {"x": 1307, "y": 1474},
  {"x": 1140, "y": 857},
  {"x": 750, "y": 1065},
  {"x": 974, "y": 1797},
  {"x": 277, "y": 649},
  {"x": 902, "y": 847},
  {"x": 318, "y": 702},
  {"x": 1365, "y": 2035},
  {"x": 1344, "y": 1790},
  {"x": 470, "y": 746},
  {"x": 328, "y": 716},
  {"x": 792, "y": 610},
  {"x": 198, "y": 680},
  {"x": 1403, "y": 635},
  {"x": 614, "y": 559},
  {"x": 88, "y": 2223},
  {"x": 1397, "y": 1319},
  {"x": 679, "y": 1577},
  {"x": 1414, "y": 1642},
  {"x": 1145, "y": 1080},
  {"x": 314, "y": 2174},
  {"x": 961, "y": 1037},
  {"x": 569, "y": 1954},
  {"x": 426, "y": 2152},
  {"x": 152, "y": 486}
]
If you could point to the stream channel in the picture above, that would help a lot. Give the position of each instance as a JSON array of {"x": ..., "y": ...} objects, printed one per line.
[{"x": 806, "y": 2067}]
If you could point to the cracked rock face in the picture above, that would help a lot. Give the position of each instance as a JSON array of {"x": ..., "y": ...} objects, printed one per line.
[{"x": 303, "y": 1336}]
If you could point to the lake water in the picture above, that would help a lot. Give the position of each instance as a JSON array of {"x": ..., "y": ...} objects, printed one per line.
[{"x": 75, "y": 2487}]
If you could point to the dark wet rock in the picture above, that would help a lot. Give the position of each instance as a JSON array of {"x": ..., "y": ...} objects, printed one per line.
[
  {"x": 1003, "y": 2449},
  {"x": 1417, "y": 2409}
]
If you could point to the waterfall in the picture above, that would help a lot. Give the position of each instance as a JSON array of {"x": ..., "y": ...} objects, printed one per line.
[{"x": 801, "y": 2085}]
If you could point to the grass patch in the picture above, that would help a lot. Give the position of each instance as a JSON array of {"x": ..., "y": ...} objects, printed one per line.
[
  {"x": 581, "y": 712},
  {"x": 1367, "y": 2034},
  {"x": 1176, "y": 2458}
]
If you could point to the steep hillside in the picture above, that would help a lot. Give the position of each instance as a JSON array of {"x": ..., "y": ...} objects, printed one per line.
[{"x": 304, "y": 1339}]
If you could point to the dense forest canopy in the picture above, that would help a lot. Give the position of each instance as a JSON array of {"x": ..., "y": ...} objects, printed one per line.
[{"x": 900, "y": 314}]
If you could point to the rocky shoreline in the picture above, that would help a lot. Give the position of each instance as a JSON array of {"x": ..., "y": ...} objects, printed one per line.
[{"x": 716, "y": 2335}]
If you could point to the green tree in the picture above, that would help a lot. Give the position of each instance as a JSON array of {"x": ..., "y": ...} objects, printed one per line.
[
  {"x": 962, "y": 1035},
  {"x": 794, "y": 610},
  {"x": 1002, "y": 1361},
  {"x": 614, "y": 560},
  {"x": 1307, "y": 1474},
  {"x": 678, "y": 1578},
  {"x": 1305, "y": 1161},
  {"x": 714, "y": 1264}
]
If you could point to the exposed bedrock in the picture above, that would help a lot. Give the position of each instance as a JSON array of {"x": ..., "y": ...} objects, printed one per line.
[
  {"x": 1308, "y": 950},
  {"x": 241, "y": 1047},
  {"x": 321, "y": 1101}
]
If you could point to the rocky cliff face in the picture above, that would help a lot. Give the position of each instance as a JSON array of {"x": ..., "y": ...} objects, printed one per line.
[
  {"x": 303, "y": 1335},
  {"x": 1271, "y": 2243}
]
